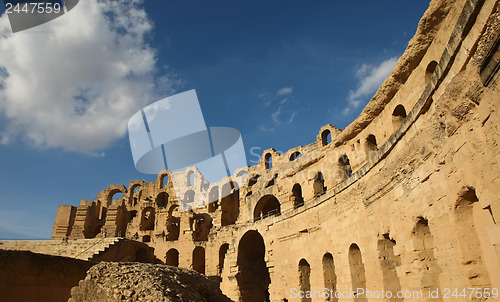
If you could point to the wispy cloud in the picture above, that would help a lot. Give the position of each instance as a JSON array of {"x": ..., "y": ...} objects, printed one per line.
[
  {"x": 91, "y": 71},
  {"x": 283, "y": 111},
  {"x": 370, "y": 77}
]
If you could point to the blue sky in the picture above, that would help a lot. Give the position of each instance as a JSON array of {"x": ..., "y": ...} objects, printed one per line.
[{"x": 275, "y": 70}]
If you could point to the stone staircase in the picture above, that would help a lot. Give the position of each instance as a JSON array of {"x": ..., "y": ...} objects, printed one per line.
[{"x": 84, "y": 249}]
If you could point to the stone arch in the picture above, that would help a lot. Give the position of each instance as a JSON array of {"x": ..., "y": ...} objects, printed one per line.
[
  {"x": 164, "y": 180},
  {"x": 173, "y": 223},
  {"x": 398, "y": 116},
  {"x": 172, "y": 257},
  {"x": 389, "y": 262},
  {"x": 357, "y": 269},
  {"x": 305, "y": 279},
  {"x": 253, "y": 275},
  {"x": 148, "y": 219},
  {"x": 268, "y": 161},
  {"x": 230, "y": 203},
  {"x": 222, "y": 255},
  {"x": 429, "y": 71},
  {"x": 345, "y": 167},
  {"x": 426, "y": 273},
  {"x": 190, "y": 178},
  {"x": 371, "y": 147},
  {"x": 266, "y": 206},
  {"x": 295, "y": 155},
  {"x": 296, "y": 198},
  {"x": 113, "y": 192},
  {"x": 468, "y": 240},
  {"x": 326, "y": 137},
  {"x": 213, "y": 199},
  {"x": 199, "y": 259},
  {"x": 319, "y": 184},
  {"x": 329, "y": 275},
  {"x": 189, "y": 197},
  {"x": 162, "y": 199},
  {"x": 134, "y": 194}
]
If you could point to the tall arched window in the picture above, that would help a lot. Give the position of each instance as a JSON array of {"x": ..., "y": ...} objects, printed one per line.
[
  {"x": 326, "y": 137},
  {"x": 268, "y": 161}
]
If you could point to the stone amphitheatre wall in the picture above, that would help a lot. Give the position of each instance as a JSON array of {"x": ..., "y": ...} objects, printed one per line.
[
  {"x": 404, "y": 198},
  {"x": 28, "y": 277}
]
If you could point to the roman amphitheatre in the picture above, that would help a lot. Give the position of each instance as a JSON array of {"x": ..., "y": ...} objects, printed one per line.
[{"x": 403, "y": 200}]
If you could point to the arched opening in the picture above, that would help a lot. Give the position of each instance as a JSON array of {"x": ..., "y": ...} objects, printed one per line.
[
  {"x": 371, "y": 147},
  {"x": 230, "y": 203},
  {"x": 345, "y": 167},
  {"x": 326, "y": 137},
  {"x": 398, "y": 116},
  {"x": 199, "y": 259},
  {"x": 190, "y": 178},
  {"x": 146, "y": 238},
  {"x": 252, "y": 181},
  {"x": 319, "y": 184},
  {"x": 222, "y": 255},
  {"x": 135, "y": 194},
  {"x": 213, "y": 199},
  {"x": 148, "y": 219},
  {"x": 431, "y": 67},
  {"x": 173, "y": 223},
  {"x": 202, "y": 225},
  {"x": 389, "y": 262},
  {"x": 296, "y": 197},
  {"x": 189, "y": 197},
  {"x": 305, "y": 279},
  {"x": 426, "y": 271},
  {"x": 253, "y": 275},
  {"x": 268, "y": 205},
  {"x": 357, "y": 269},
  {"x": 467, "y": 234},
  {"x": 268, "y": 161},
  {"x": 329, "y": 276},
  {"x": 114, "y": 197},
  {"x": 172, "y": 257},
  {"x": 162, "y": 200},
  {"x": 295, "y": 155},
  {"x": 164, "y": 180}
]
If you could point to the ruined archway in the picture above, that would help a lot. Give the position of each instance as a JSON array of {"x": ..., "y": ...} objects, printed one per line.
[
  {"x": 425, "y": 275},
  {"x": 268, "y": 161},
  {"x": 296, "y": 197},
  {"x": 467, "y": 236},
  {"x": 162, "y": 200},
  {"x": 398, "y": 116},
  {"x": 172, "y": 257},
  {"x": 148, "y": 219},
  {"x": 329, "y": 276},
  {"x": 230, "y": 203},
  {"x": 305, "y": 280},
  {"x": 319, "y": 184},
  {"x": 326, "y": 137},
  {"x": 199, "y": 259},
  {"x": 268, "y": 205},
  {"x": 357, "y": 269},
  {"x": 222, "y": 255},
  {"x": 389, "y": 262},
  {"x": 253, "y": 275},
  {"x": 173, "y": 223}
]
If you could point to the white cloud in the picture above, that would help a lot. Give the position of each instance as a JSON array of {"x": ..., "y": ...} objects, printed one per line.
[
  {"x": 283, "y": 113},
  {"x": 370, "y": 78},
  {"x": 74, "y": 82},
  {"x": 285, "y": 91}
]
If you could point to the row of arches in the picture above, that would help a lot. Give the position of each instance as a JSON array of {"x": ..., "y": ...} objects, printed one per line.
[{"x": 198, "y": 261}]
